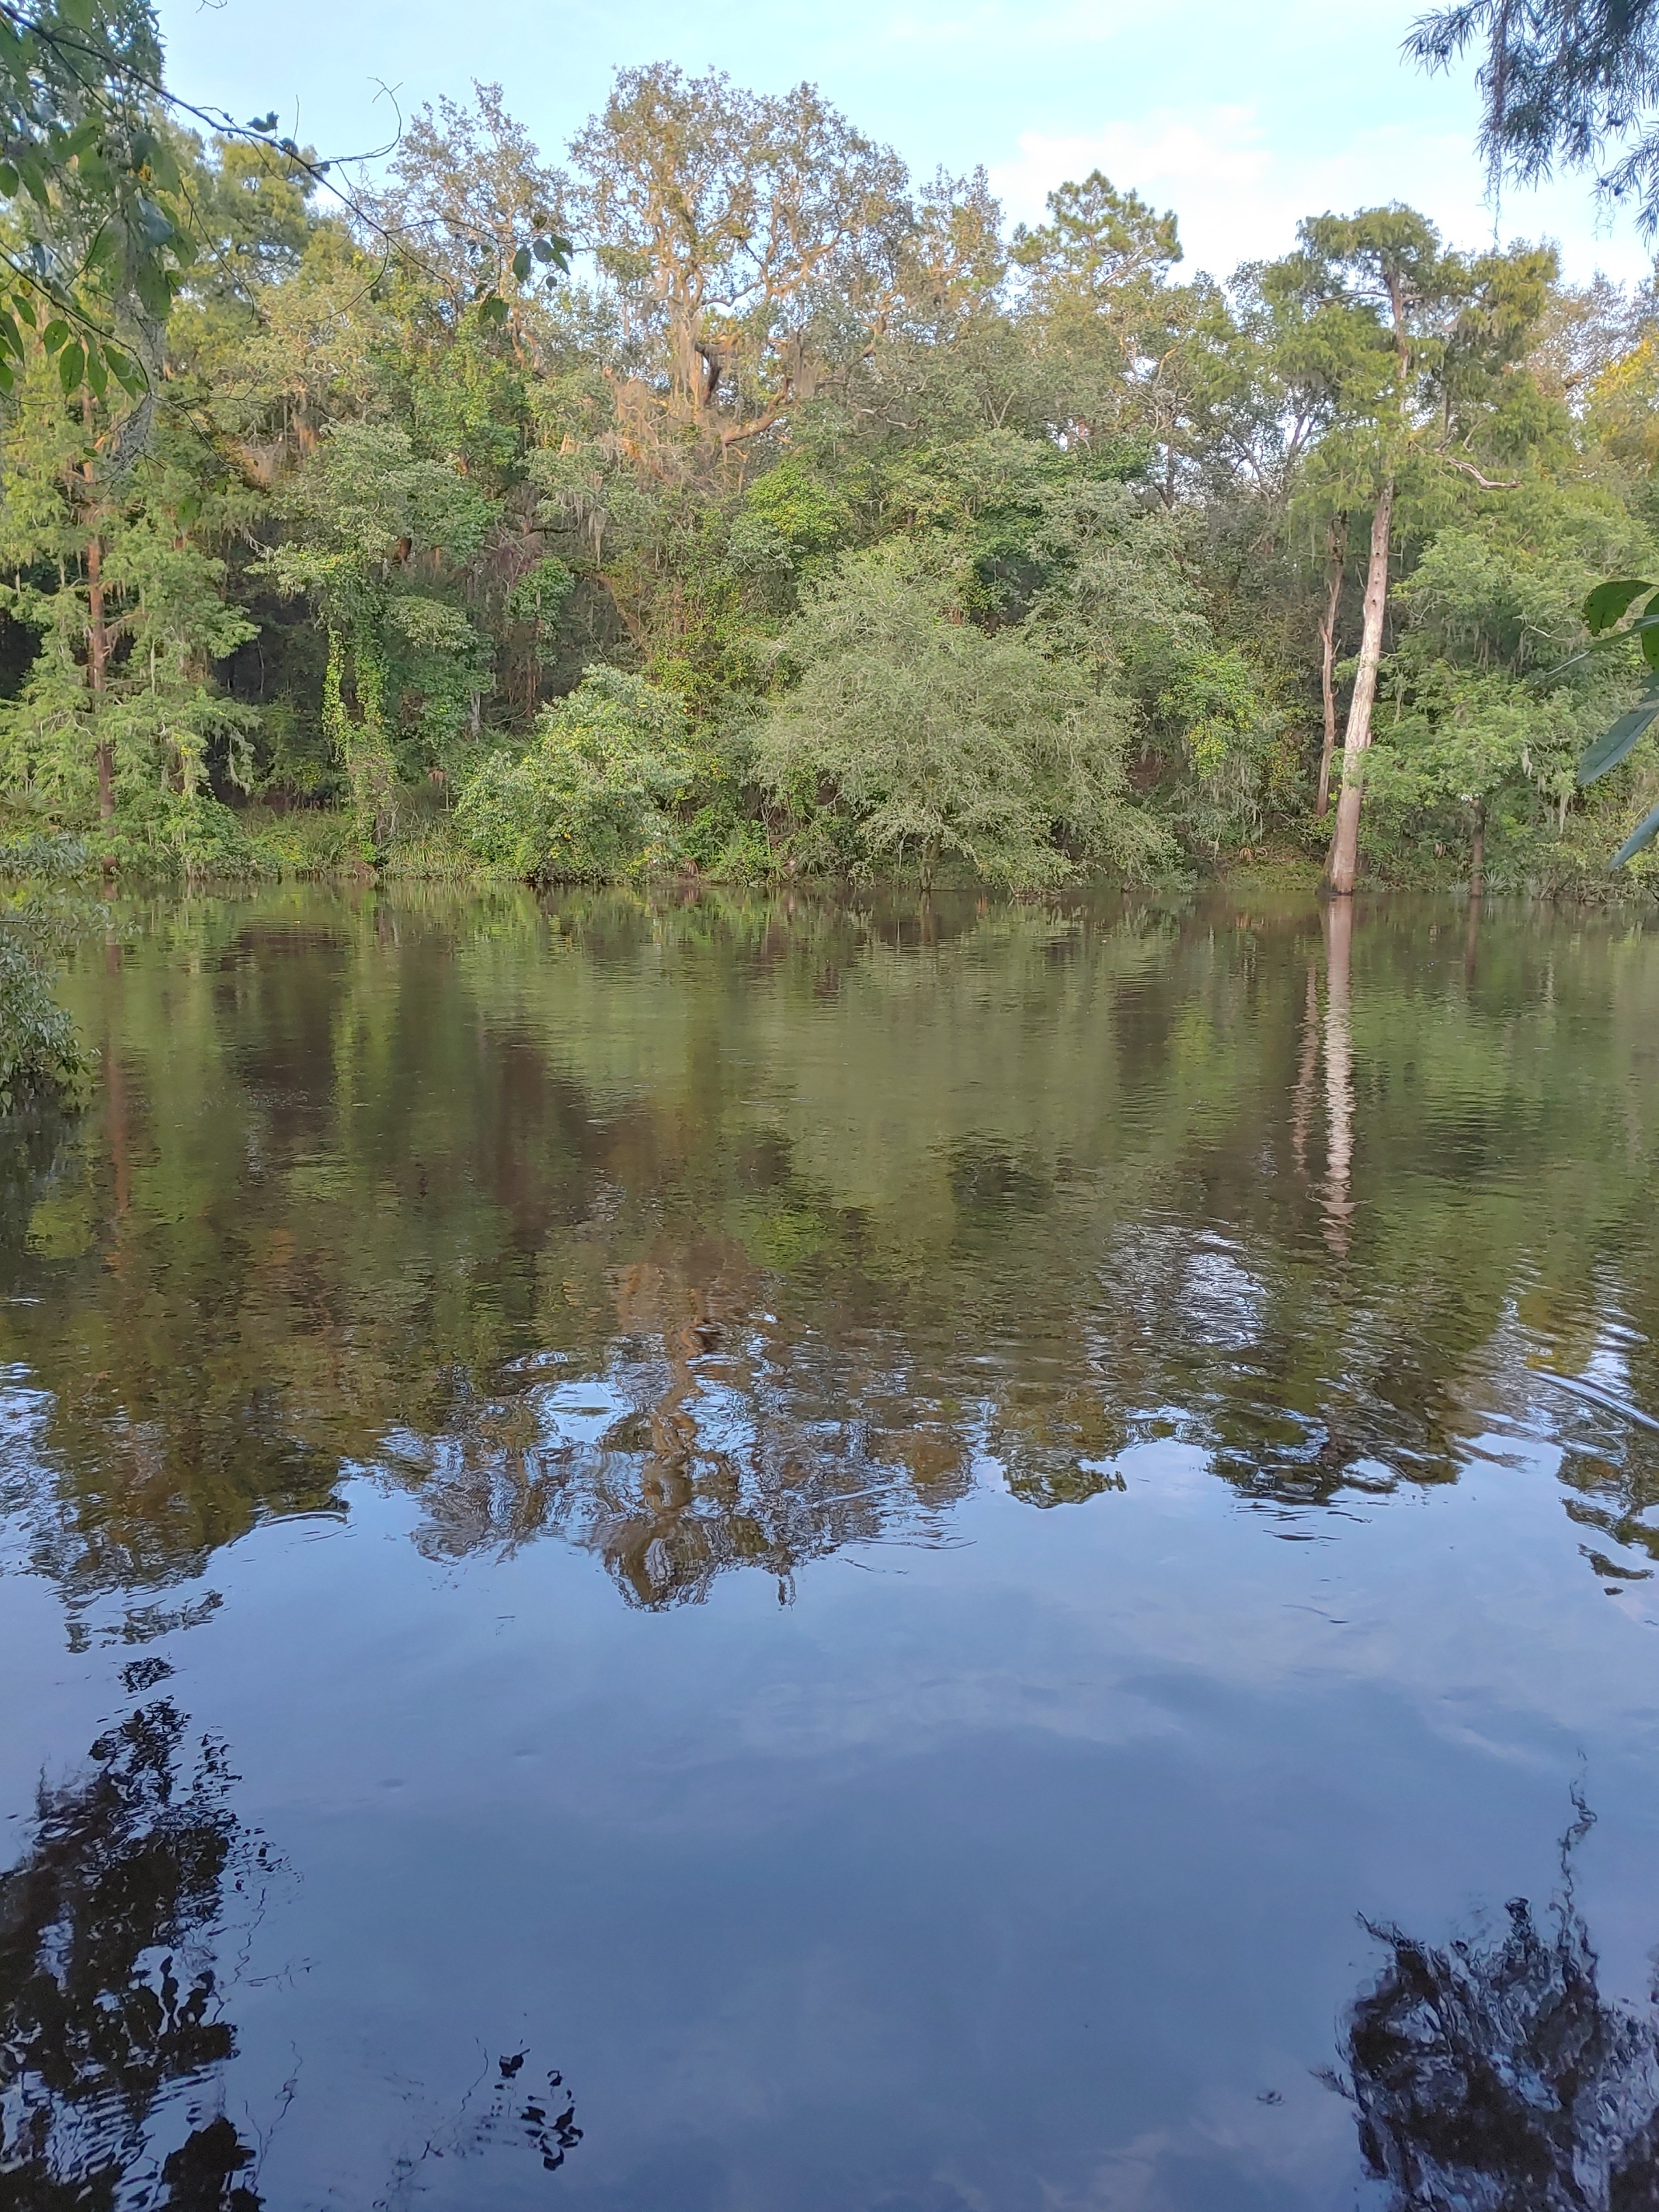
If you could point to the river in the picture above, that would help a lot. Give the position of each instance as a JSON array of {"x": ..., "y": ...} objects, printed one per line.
[{"x": 761, "y": 1555}]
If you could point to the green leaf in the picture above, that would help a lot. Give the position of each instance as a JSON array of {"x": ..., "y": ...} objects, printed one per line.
[
  {"x": 56, "y": 334},
  {"x": 1618, "y": 743},
  {"x": 7, "y": 379},
  {"x": 521, "y": 264},
  {"x": 97, "y": 372},
  {"x": 1639, "y": 839},
  {"x": 153, "y": 223},
  {"x": 78, "y": 12},
  {"x": 152, "y": 288},
  {"x": 34, "y": 182},
  {"x": 544, "y": 249},
  {"x": 494, "y": 309},
  {"x": 163, "y": 167},
  {"x": 23, "y": 308},
  {"x": 71, "y": 366},
  {"x": 1649, "y": 635},
  {"x": 127, "y": 371},
  {"x": 7, "y": 181},
  {"x": 1608, "y": 602}
]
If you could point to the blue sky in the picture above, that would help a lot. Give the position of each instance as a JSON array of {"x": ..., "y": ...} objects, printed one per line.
[{"x": 1240, "y": 118}]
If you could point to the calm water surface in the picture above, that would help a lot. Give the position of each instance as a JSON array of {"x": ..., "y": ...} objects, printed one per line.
[{"x": 737, "y": 1557}]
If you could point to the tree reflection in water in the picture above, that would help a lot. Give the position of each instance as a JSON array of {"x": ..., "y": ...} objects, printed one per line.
[
  {"x": 726, "y": 1235},
  {"x": 715, "y": 1439},
  {"x": 111, "y": 2022},
  {"x": 1494, "y": 2076},
  {"x": 113, "y": 2038}
]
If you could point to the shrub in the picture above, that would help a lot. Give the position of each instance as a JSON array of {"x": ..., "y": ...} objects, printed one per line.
[
  {"x": 925, "y": 736},
  {"x": 40, "y": 1051},
  {"x": 586, "y": 802}
]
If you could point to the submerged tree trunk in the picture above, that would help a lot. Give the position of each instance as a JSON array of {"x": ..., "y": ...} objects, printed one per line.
[
  {"x": 1327, "y": 660},
  {"x": 1356, "y": 737},
  {"x": 97, "y": 665}
]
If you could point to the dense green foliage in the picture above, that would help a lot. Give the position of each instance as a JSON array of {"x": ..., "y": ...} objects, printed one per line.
[
  {"x": 585, "y": 798},
  {"x": 802, "y": 520},
  {"x": 42, "y": 913}
]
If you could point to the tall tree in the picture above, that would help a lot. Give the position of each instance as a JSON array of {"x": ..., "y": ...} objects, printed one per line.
[
  {"x": 1427, "y": 340},
  {"x": 380, "y": 535},
  {"x": 729, "y": 221},
  {"x": 119, "y": 573}
]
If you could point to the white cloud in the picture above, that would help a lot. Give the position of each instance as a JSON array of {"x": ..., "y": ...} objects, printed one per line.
[{"x": 1239, "y": 197}]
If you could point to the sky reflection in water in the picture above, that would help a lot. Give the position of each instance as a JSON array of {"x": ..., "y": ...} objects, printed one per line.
[{"x": 765, "y": 1554}]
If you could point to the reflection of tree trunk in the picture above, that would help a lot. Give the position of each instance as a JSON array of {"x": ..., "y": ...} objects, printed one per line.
[
  {"x": 1339, "y": 555},
  {"x": 929, "y": 862},
  {"x": 1478, "y": 850},
  {"x": 97, "y": 663},
  {"x": 1339, "y": 1076},
  {"x": 115, "y": 1090},
  {"x": 1472, "y": 938},
  {"x": 1302, "y": 1097},
  {"x": 1356, "y": 737}
]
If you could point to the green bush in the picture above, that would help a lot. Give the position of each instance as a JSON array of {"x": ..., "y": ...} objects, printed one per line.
[
  {"x": 173, "y": 834},
  {"x": 586, "y": 802},
  {"x": 41, "y": 916},
  {"x": 39, "y": 1049},
  {"x": 915, "y": 735}
]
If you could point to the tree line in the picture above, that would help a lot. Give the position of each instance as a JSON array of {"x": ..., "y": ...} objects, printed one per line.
[{"x": 720, "y": 498}]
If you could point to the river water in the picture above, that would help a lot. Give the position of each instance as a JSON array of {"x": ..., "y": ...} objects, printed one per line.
[{"x": 730, "y": 1556}]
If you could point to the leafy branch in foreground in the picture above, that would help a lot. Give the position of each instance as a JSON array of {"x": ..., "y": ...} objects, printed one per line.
[
  {"x": 99, "y": 233},
  {"x": 1605, "y": 613},
  {"x": 1561, "y": 81}
]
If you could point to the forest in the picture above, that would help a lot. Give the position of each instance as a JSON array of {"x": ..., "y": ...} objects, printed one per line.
[{"x": 718, "y": 499}]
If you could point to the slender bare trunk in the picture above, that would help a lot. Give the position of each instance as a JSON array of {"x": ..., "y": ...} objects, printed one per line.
[
  {"x": 97, "y": 665},
  {"x": 1356, "y": 737},
  {"x": 1478, "y": 850},
  {"x": 1327, "y": 659}
]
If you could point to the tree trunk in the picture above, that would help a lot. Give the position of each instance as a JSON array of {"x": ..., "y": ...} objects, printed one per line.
[
  {"x": 97, "y": 663},
  {"x": 1327, "y": 661},
  {"x": 1356, "y": 737},
  {"x": 1478, "y": 850}
]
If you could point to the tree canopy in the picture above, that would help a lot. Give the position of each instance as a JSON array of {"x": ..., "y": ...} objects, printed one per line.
[{"x": 711, "y": 495}]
